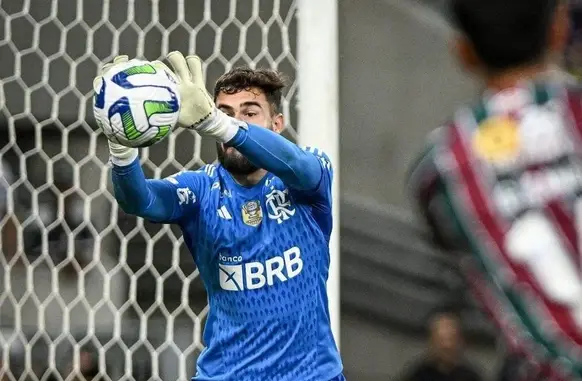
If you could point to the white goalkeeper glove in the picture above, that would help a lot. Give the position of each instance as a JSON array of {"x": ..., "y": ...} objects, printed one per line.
[
  {"x": 197, "y": 110},
  {"x": 118, "y": 154}
]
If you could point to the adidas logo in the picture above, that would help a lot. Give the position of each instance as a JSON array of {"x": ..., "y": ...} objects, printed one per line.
[{"x": 224, "y": 213}]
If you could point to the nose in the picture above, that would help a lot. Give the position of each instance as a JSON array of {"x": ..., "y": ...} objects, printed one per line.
[{"x": 238, "y": 115}]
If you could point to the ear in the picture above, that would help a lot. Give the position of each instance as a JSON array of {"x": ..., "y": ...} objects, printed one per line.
[
  {"x": 560, "y": 29},
  {"x": 278, "y": 123},
  {"x": 465, "y": 54}
]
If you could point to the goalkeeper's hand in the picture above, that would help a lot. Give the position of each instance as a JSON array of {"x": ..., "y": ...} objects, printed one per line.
[
  {"x": 197, "y": 109},
  {"x": 118, "y": 154}
]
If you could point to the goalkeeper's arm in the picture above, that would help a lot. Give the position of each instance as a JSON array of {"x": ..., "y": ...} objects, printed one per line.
[
  {"x": 265, "y": 149},
  {"x": 154, "y": 200},
  {"x": 274, "y": 153}
]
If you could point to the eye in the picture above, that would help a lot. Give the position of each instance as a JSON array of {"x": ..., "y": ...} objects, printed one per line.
[
  {"x": 228, "y": 112},
  {"x": 250, "y": 114}
]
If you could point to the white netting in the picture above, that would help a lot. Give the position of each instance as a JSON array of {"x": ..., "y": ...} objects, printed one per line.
[{"x": 82, "y": 283}]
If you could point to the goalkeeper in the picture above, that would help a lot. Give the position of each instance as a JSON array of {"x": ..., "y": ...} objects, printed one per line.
[{"x": 257, "y": 224}]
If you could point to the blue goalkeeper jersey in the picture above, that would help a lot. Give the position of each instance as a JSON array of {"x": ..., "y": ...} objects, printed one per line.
[{"x": 263, "y": 255}]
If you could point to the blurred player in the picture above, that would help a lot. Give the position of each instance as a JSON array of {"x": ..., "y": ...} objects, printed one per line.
[
  {"x": 257, "y": 224},
  {"x": 502, "y": 182}
]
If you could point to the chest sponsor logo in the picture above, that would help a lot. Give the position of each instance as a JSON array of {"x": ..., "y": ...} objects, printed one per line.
[{"x": 256, "y": 275}]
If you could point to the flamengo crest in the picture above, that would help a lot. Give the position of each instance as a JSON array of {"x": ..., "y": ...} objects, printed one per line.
[{"x": 279, "y": 205}]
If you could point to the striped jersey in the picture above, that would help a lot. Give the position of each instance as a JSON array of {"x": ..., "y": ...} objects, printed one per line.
[{"x": 502, "y": 183}]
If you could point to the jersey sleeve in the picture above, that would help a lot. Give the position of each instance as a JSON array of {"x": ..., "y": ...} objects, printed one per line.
[
  {"x": 322, "y": 193},
  {"x": 427, "y": 189},
  {"x": 273, "y": 152},
  {"x": 157, "y": 200}
]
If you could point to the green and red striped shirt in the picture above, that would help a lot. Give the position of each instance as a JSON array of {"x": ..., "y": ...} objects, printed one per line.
[{"x": 502, "y": 183}]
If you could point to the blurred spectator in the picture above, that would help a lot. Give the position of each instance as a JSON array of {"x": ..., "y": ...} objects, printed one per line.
[
  {"x": 88, "y": 367},
  {"x": 444, "y": 360},
  {"x": 59, "y": 223}
]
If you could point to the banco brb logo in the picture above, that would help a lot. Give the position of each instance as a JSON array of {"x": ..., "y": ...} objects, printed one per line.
[{"x": 255, "y": 275}]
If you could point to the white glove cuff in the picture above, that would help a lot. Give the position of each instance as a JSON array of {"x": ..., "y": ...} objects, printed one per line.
[
  {"x": 220, "y": 126},
  {"x": 120, "y": 155}
]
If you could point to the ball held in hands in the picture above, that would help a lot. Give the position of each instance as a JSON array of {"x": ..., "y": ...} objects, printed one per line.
[{"x": 136, "y": 103}]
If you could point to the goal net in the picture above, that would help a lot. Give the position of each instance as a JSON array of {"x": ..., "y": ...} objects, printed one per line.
[{"x": 85, "y": 289}]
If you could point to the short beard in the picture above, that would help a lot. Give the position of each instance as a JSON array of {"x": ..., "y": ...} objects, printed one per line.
[{"x": 234, "y": 161}]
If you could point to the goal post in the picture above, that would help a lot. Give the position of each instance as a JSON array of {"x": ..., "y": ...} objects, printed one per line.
[
  {"x": 80, "y": 281},
  {"x": 318, "y": 105}
]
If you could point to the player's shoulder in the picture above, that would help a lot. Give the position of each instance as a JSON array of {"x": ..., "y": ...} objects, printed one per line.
[
  {"x": 436, "y": 138},
  {"x": 465, "y": 120},
  {"x": 430, "y": 152},
  {"x": 202, "y": 175},
  {"x": 314, "y": 150},
  {"x": 574, "y": 90},
  {"x": 320, "y": 154}
]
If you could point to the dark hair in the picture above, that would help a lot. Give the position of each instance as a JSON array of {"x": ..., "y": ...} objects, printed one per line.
[
  {"x": 269, "y": 81},
  {"x": 446, "y": 312},
  {"x": 505, "y": 33},
  {"x": 447, "y": 309}
]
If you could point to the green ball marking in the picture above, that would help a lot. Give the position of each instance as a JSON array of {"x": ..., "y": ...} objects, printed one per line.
[
  {"x": 150, "y": 108},
  {"x": 162, "y": 132},
  {"x": 99, "y": 123},
  {"x": 159, "y": 107},
  {"x": 129, "y": 126},
  {"x": 140, "y": 69}
]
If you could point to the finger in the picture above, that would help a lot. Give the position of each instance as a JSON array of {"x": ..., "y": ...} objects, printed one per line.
[
  {"x": 116, "y": 60},
  {"x": 178, "y": 62},
  {"x": 162, "y": 66},
  {"x": 195, "y": 68},
  {"x": 97, "y": 82},
  {"x": 106, "y": 67},
  {"x": 120, "y": 59}
]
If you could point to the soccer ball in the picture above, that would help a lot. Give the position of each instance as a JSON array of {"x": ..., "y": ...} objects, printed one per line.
[{"x": 136, "y": 104}]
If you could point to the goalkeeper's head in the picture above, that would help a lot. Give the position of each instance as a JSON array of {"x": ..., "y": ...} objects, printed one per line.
[
  {"x": 253, "y": 96},
  {"x": 500, "y": 39}
]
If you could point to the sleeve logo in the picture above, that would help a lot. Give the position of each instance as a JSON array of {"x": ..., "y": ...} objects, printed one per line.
[{"x": 185, "y": 196}]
